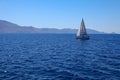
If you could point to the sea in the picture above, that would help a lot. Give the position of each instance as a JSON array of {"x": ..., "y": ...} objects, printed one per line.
[{"x": 59, "y": 57}]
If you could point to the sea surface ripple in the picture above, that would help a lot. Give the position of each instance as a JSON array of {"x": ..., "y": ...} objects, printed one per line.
[{"x": 59, "y": 57}]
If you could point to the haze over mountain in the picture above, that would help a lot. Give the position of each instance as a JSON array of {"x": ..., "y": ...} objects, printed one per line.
[{"x": 8, "y": 27}]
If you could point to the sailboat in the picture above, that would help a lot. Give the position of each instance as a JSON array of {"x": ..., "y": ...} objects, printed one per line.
[{"x": 81, "y": 33}]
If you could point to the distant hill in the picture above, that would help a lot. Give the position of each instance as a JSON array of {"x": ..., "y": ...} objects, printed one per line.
[{"x": 8, "y": 27}]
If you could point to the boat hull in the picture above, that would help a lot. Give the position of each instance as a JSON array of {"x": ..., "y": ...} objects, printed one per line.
[{"x": 83, "y": 38}]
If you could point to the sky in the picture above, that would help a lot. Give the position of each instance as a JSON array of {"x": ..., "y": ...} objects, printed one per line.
[{"x": 101, "y": 15}]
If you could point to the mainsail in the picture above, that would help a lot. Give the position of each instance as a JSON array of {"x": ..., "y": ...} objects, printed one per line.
[{"x": 81, "y": 33}]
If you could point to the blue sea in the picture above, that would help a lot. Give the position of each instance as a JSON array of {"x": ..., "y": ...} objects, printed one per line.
[{"x": 59, "y": 57}]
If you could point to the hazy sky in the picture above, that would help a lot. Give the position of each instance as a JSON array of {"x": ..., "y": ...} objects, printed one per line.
[{"x": 101, "y": 15}]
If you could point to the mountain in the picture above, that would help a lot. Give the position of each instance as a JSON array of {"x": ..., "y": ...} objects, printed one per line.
[{"x": 8, "y": 27}]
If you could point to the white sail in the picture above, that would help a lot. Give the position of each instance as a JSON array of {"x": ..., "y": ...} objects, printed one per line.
[
  {"x": 83, "y": 29},
  {"x": 78, "y": 33}
]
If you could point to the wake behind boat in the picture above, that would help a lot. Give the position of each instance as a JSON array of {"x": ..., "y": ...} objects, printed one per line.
[{"x": 81, "y": 33}]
